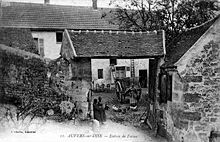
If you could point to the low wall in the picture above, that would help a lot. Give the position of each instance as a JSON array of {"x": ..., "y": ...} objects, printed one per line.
[{"x": 22, "y": 75}]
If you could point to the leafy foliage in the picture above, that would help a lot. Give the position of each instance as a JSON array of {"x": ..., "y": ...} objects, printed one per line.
[{"x": 173, "y": 16}]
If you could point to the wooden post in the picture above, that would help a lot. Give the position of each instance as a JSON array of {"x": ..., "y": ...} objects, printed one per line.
[{"x": 154, "y": 69}]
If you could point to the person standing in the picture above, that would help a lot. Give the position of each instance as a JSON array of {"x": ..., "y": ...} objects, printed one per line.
[
  {"x": 102, "y": 110},
  {"x": 96, "y": 116},
  {"x": 118, "y": 90},
  {"x": 133, "y": 94},
  {"x": 96, "y": 110}
]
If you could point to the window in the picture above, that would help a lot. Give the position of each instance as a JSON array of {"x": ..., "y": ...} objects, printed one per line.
[
  {"x": 59, "y": 36},
  {"x": 36, "y": 42},
  {"x": 113, "y": 61},
  {"x": 100, "y": 73},
  {"x": 120, "y": 68},
  {"x": 128, "y": 69},
  {"x": 39, "y": 42}
]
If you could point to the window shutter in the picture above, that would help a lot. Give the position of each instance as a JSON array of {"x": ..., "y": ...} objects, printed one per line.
[
  {"x": 41, "y": 47},
  {"x": 163, "y": 88},
  {"x": 169, "y": 87},
  {"x": 152, "y": 78}
]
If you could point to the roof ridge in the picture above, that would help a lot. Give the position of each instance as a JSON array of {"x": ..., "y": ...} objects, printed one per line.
[
  {"x": 116, "y": 31},
  {"x": 203, "y": 24},
  {"x": 184, "y": 41},
  {"x": 42, "y": 4},
  {"x": 52, "y": 5},
  {"x": 195, "y": 28}
]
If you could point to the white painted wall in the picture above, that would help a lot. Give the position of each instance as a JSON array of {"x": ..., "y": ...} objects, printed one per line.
[
  {"x": 51, "y": 47},
  {"x": 140, "y": 64},
  {"x": 101, "y": 64},
  {"x": 123, "y": 62}
]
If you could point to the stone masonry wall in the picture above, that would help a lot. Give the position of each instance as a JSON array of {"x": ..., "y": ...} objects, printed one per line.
[
  {"x": 72, "y": 80},
  {"x": 195, "y": 108}
]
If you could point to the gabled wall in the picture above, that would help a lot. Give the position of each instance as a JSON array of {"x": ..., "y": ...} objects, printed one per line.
[
  {"x": 195, "y": 108},
  {"x": 75, "y": 74}
]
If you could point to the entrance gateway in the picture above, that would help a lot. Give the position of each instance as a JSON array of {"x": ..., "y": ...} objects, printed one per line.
[{"x": 80, "y": 47}]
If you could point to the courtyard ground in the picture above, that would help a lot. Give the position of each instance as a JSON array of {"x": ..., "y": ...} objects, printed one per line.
[
  {"x": 128, "y": 118},
  {"x": 119, "y": 127}
]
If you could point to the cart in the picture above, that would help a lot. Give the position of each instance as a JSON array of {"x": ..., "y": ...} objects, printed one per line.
[{"x": 127, "y": 88}]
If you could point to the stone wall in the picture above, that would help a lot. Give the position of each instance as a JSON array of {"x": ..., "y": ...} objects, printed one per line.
[
  {"x": 72, "y": 79},
  {"x": 23, "y": 76},
  {"x": 19, "y": 38},
  {"x": 194, "y": 111}
]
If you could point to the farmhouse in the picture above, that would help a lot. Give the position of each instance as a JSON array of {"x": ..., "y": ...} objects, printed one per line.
[
  {"x": 190, "y": 85},
  {"x": 47, "y": 22}
]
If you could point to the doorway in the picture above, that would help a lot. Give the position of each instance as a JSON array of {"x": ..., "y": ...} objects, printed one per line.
[{"x": 143, "y": 78}]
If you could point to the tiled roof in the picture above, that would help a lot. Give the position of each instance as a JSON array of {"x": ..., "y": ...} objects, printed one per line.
[
  {"x": 117, "y": 44},
  {"x": 182, "y": 43},
  {"x": 32, "y": 15},
  {"x": 18, "y": 38}
]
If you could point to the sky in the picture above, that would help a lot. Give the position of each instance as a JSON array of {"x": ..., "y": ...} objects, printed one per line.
[{"x": 101, "y": 3}]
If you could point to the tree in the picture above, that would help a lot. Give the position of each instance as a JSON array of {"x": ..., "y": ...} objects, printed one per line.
[{"x": 173, "y": 16}]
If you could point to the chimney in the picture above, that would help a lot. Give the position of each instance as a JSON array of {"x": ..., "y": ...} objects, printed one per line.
[
  {"x": 94, "y": 4},
  {"x": 46, "y": 1},
  {"x": 3, "y": 4}
]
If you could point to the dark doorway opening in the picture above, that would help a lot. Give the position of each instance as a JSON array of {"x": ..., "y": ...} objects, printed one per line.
[{"x": 143, "y": 78}]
